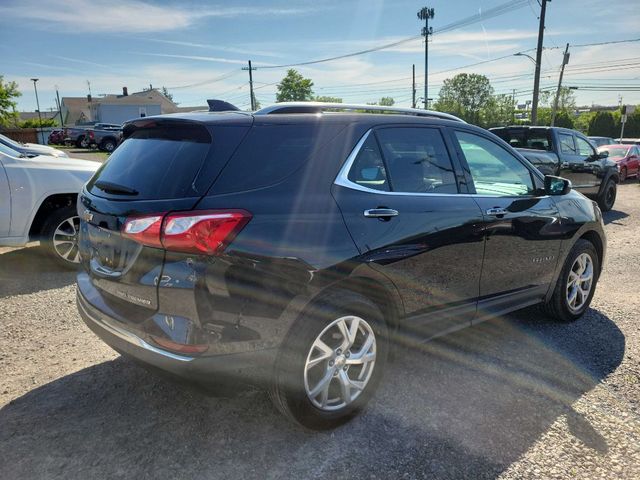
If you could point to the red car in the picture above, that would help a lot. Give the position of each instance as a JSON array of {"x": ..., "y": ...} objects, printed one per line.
[{"x": 626, "y": 156}]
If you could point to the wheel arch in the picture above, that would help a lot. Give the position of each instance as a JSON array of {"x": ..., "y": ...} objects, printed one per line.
[
  {"x": 48, "y": 205},
  {"x": 383, "y": 295},
  {"x": 594, "y": 238}
]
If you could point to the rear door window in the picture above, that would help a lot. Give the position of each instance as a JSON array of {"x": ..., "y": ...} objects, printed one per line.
[
  {"x": 417, "y": 160},
  {"x": 157, "y": 162}
]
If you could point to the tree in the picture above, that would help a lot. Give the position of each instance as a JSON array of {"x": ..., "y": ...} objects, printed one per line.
[
  {"x": 166, "y": 93},
  {"x": 384, "y": 102},
  {"x": 499, "y": 111},
  {"x": 294, "y": 87},
  {"x": 465, "y": 96},
  {"x": 564, "y": 119},
  {"x": 327, "y": 99},
  {"x": 35, "y": 123},
  {"x": 566, "y": 100},
  {"x": 602, "y": 124},
  {"x": 8, "y": 92}
]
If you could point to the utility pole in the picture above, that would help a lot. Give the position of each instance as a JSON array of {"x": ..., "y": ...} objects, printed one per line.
[
  {"x": 59, "y": 107},
  {"x": 536, "y": 80},
  {"x": 253, "y": 98},
  {"x": 513, "y": 106},
  {"x": 413, "y": 90},
  {"x": 425, "y": 14},
  {"x": 34, "y": 80},
  {"x": 565, "y": 60}
]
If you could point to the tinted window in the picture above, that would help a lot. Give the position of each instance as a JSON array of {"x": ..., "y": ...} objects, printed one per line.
[
  {"x": 158, "y": 162},
  {"x": 494, "y": 170},
  {"x": 270, "y": 153},
  {"x": 566, "y": 143},
  {"x": 584, "y": 148},
  {"x": 417, "y": 160},
  {"x": 368, "y": 168},
  {"x": 526, "y": 138}
]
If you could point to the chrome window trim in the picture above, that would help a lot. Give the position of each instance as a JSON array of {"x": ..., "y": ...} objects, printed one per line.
[{"x": 342, "y": 180}]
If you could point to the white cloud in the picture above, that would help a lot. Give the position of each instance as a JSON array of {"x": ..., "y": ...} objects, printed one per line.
[
  {"x": 133, "y": 16},
  {"x": 199, "y": 58},
  {"x": 221, "y": 48}
]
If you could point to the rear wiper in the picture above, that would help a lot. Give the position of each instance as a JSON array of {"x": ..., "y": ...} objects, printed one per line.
[{"x": 115, "y": 188}]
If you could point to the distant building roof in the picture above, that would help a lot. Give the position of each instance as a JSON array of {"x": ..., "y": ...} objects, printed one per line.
[{"x": 77, "y": 110}]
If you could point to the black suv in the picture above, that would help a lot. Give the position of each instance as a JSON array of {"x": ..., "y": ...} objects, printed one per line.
[{"x": 293, "y": 246}]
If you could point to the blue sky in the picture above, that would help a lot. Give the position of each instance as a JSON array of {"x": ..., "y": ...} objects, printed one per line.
[{"x": 197, "y": 48}]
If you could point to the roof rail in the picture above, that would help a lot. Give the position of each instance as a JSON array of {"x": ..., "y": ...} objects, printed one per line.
[{"x": 318, "y": 107}]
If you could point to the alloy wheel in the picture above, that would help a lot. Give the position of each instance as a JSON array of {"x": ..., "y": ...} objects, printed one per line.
[
  {"x": 340, "y": 363},
  {"x": 65, "y": 240},
  {"x": 580, "y": 282}
]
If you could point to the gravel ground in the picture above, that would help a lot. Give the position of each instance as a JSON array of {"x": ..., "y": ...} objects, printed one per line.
[{"x": 516, "y": 397}]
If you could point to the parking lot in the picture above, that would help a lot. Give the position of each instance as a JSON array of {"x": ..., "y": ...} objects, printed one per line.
[{"x": 516, "y": 397}]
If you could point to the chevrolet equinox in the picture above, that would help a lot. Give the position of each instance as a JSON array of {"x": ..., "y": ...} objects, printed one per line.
[{"x": 294, "y": 245}]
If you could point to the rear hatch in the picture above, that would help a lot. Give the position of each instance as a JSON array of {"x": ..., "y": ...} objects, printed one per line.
[{"x": 164, "y": 165}]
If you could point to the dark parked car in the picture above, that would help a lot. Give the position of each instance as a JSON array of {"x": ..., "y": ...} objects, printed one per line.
[
  {"x": 599, "y": 141},
  {"x": 76, "y": 136},
  {"x": 566, "y": 153},
  {"x": 106, "y": 139},
  {"x": 292, "y": 247}
]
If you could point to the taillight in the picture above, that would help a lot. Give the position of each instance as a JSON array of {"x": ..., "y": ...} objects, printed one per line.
[
  {"x": 204, "y": 232},
  {"x": 144, "y": 230},
  {"x": 91, "y": 135}
]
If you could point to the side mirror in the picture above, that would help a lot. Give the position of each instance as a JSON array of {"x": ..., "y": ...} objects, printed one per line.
[
  {"x": 603, "y": 154},
  {"x": 556, "y": 185}
]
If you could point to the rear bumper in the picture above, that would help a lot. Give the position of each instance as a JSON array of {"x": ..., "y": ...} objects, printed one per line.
[{"x": 253, "y": 367}]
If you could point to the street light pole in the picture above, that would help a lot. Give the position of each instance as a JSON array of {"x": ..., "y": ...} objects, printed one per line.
[{"x": 34, "y": 80}]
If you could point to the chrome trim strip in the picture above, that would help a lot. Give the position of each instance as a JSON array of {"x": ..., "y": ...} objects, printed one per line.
[
  {"x": 130, "y": 337},
  {"x": 342, "y": 179},
  {"x": 320, "y": 106}
]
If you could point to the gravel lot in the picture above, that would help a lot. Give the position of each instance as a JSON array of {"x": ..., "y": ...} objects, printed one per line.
[{"x": 516, "y": 397}]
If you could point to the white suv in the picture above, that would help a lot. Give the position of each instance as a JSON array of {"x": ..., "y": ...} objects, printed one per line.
[{"x": 38, "y": 201}]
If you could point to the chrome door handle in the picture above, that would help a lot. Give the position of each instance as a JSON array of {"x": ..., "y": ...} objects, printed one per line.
[
  {"x": 496, "y": 211},
  {"x": 381, "y": 213}
]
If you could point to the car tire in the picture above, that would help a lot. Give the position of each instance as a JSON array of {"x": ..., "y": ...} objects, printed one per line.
[
  {"x": 317, "y": 358},
  {"x": 607, "y": 198},
  {"x": 623, "y": 174},
  {"x": 82, "y": 142},
  {"x": 108, "y": 145},
  {"x": 576, "y": 283},
  {"x": 59, "y": 236}
]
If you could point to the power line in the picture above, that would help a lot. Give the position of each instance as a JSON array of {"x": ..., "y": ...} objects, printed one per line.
[{"x": 491, "y": 13}]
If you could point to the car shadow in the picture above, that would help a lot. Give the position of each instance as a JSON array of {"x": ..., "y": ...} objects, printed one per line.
[
  {"x": 613, "y": 215},
  {"x": 29, "y": 270},
  {"x": 466, "y": 405}
]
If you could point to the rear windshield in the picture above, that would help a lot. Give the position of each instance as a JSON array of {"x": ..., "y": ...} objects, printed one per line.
[
  {"x": 526, "y": 138},
  {"x": 159, "y": 162}
]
